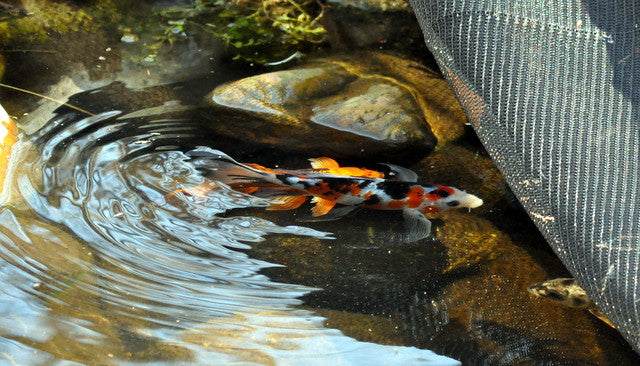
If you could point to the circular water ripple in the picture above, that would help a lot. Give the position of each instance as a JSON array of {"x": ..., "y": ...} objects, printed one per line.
[
  {"x": 168, "y": 259},
  {"x": 100, "y": 266}
]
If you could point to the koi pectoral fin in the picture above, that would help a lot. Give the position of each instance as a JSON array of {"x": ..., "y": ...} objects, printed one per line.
[
  {"x": 322, "y": 206},
  {"x": 416, "y": 225},
  {"x": 287, "y": 203}
]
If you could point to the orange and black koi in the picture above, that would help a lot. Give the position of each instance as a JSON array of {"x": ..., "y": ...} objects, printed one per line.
[{"x": 329, "y": 185}]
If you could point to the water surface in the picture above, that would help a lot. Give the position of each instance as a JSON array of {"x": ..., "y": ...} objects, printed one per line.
[{"x": 99, "y": 266}]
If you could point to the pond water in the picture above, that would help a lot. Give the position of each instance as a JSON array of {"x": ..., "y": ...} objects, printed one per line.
[{"x": 99, "y": 266}]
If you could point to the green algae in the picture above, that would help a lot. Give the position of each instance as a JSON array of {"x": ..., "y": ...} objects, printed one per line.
[
  {"x": 47, "y": 19},
  {"x": 260, "y": 31}
]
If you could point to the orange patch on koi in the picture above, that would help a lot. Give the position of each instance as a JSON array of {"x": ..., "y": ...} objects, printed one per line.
[
  {"x": 355, "y": 189},
  {"x": 433, "y": 196},
  {"x": 320, "y": 188},
  {"x": 396, "y": 204},
  {"x": 446, "y": 189},
  {"x": 415, "y": 196}
]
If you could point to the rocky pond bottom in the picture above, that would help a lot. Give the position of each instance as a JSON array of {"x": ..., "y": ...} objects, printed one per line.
[{"x": 98, "y": 267}]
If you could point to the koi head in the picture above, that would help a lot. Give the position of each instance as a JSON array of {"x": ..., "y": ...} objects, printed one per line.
[
  {"x": 446, "y": 198},
  {"x": 462, "y": 199}
]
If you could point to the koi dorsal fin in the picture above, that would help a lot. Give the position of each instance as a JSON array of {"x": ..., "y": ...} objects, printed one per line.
[
  {"x": 324, "y": 163},
  {"x": 322, "y": 206},
  {"x": 287, "y": 203},
  {"x": 330, "y": 166}
]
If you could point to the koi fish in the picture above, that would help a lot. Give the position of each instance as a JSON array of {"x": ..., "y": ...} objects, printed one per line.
[{"x": 331, "y": 185}]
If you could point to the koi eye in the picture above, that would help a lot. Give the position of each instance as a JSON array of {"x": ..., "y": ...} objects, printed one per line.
[{"x": 453, "y": 203}]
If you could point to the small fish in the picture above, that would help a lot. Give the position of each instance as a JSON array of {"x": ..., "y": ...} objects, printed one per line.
[
  {"x": 567, "y": 292},
  {"x": 330, "y": 185},
  {"x": 564, "y": 291}
]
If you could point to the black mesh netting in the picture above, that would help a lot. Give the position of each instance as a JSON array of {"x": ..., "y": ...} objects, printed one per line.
[{"x": 553, "y": 90}]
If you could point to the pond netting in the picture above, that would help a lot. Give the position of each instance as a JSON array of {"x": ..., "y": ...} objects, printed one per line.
[{"x": 552, "y": 88}]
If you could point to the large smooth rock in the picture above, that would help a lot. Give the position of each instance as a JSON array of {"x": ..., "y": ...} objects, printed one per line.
[{"x": 349, "y": 106}]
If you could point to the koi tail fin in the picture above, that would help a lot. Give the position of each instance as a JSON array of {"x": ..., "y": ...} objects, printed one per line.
[{"x": 221, "y": 167}]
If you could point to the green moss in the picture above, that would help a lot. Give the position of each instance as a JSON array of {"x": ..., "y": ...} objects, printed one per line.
[
  {"x": 46, "y": 18},
  {"x": 261, "y": 31}
]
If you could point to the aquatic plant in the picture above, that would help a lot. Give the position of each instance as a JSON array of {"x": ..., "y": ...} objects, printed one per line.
[
  {"x": 40, "y": 19},
  {"x": 261, "y": 31}
]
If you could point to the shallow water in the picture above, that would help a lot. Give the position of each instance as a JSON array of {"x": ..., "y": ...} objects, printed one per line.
[{"x": 99, "y": 266}]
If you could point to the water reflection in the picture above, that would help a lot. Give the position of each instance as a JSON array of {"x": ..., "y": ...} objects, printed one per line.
[{"x": 99, "y": 266}]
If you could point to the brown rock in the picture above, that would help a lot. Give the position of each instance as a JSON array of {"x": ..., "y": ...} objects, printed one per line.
[{"x": 350, "y": 106}]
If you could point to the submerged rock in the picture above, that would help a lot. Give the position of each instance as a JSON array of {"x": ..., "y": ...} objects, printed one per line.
[
  {"x": 2, "y": 66},
  {"x": 362, "y": 24},
  {"x": 470, "y": 241},
  {"x": 348, "y": 106},
  {"x": 492, "y": 319},
  {"x": 466, "y": 169}
]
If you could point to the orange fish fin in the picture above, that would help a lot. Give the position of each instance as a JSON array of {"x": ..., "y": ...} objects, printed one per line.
[
  {"x": 323, "y": 163},
  {"x": 287, "y": 203},
  {"x": 322, "y": 206}
]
